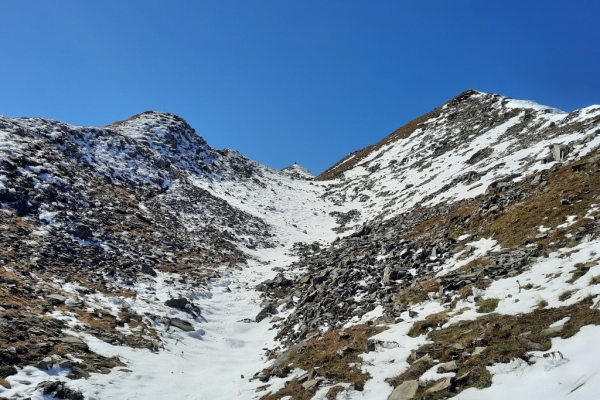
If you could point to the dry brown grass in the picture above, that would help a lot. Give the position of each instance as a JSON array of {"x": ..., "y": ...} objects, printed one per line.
[
  {"x": 566, "y": 295},
  {"x": 294, "y": 389},
  {"x": 320, "y": 352},
  {"x": 487, "y": 305},
  {"x": 519, "y": 222},
  {"x": 522, "y": 220},
  {"x": 333, "y": 392},
  {"x": 419, "y": 292},
  {"x": 505, "y": 337},
  {"x": 580, "y": 270},
  {"x": 432, "y": 321}
]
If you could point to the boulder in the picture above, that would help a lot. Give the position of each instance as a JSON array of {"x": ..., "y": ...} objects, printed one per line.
[
  {"x": 266, "y": 312},
  {"x": 405, "y": 391},
  {"x": 181, "y": 324},
  {"x": 56, "y": 299},
  {"x": 444, "y": 384},
  {"x": 148, "y": 270},
  {"x": 179, "y": 303},
  {"x": 450, "y": 366},
  {"x": 81, "y": 231}
]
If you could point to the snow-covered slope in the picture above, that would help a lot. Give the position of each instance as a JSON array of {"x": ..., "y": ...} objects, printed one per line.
[
  {"x": 457, "y": 151},
  {"x": 141, "y": 262}
]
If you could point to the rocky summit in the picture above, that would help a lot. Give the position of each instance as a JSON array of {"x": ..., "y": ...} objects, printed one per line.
[{"x": 458, "y": 257}]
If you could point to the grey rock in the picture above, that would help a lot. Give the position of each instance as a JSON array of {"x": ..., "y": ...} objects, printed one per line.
[
  {"x": 181, "y": 324},
  {"x": 266, "y": 312},
  {"x": 179, "y": 303},
  {"x": 450, "y": 366},
  {"x": 81, "y": 231},
  {"x": 311, "y": 384},
  {"x": 552, "y": 331},
  {"x": 444, "y": 384},
  {"x": 405, "y": 391},
  {"x": 148, "y": 270},
  {"x": 56, "y": 299}
]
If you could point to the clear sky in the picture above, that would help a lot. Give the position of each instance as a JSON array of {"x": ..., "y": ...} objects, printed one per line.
[{"x": 284, "y": 81}]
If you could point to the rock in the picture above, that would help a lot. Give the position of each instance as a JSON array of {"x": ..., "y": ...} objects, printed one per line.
[
  {"x": 266, "y": 312},
  {"x": 444, "y": 384},
  {"x": 80, "y": 372},
  {"x": 148, "y": 270},
  {"x": 311, "y": 384},
  {"x": 81, "y": 231},
  {"x": 559, "y": 152},
  {"x": 405, "y": 391},
  {"x": 179, "y": 303},
  {"x": 343, "y": 351},
  {"x": 45, "y": 364},
  {"x": 533, "y": 346},
  {"x": 369, "y": 346},
  {"x": 181, "y": 324},
  {"x": 565, "y": 202},
  {"x": 450, "y": 366},
  {"x": 536, "y": 180},
  {"x": 7, "y": 370},
  {"x": 65, "y": 364},
  {"x": 56, "y": 299},
  {"x": 478, "y": 351},
  {"x": 426, "y": 358},
  {"x": 552, "y": 331}
]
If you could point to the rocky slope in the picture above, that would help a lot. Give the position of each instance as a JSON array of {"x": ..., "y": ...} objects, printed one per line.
[{"x": 137, "y": 249}]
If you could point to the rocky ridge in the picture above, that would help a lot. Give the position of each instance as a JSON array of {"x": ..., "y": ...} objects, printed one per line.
[{"x": 120, "y": 235}]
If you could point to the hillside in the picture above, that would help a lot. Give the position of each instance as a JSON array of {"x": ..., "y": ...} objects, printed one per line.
[{"x": 459, "y": 255}]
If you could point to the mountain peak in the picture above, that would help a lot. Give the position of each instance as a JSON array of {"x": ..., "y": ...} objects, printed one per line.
[{"x": 299, "y": 172}]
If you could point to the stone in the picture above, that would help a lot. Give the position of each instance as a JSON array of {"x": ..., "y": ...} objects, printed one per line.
[
  {"x": 266, "y": 312},
  {"x": 559, "y": 152},
  {"x": 405, "y": 391},
  {"x": 179, "y": 303},
  {"x": 478, "y": 351},
  {"x": 565, "y": 202},
  {"x": 552, "y": 331},
  {"x": 369, "y": 346},
  {"x": 450, "y": 366},
  {"x": 7, "y": 370},
  {"x": 311, "y": 384},
  {"x": 79, "y": 371},
  {"x": 45, "y": 364},
  {"x": 81, "y": 231},
  {"x": 444, "y": 384},
  {"x": 56, "y": 299},
  {"x": 181, "y": 324},
  {"x": 148, "y": 270}
]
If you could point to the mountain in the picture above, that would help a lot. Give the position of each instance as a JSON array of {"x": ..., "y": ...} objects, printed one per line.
[{"x": 454, "y": 257}]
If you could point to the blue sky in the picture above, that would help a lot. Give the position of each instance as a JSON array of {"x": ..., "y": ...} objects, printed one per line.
[{"x": 282, "y": 81}]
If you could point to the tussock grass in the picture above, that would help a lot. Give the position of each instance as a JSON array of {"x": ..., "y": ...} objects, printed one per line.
[
  {"x": 518, "y": 223},
  {"x": 487, "y": 305},
  {"x": 321, "y": 351},
  {"x": 566, "y": 295},
  {"x": 505, "y": 337},
  {"x": 419, "y": 292},
  {"x": 293, "y": 389}
]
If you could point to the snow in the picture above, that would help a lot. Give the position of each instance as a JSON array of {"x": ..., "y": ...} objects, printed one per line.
[
  {"x": 574, "y": 377},
  {"x": 208, "y": 363}
]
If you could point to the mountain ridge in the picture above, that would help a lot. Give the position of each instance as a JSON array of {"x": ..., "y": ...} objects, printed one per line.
[{"x": 138, "y": 248}]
